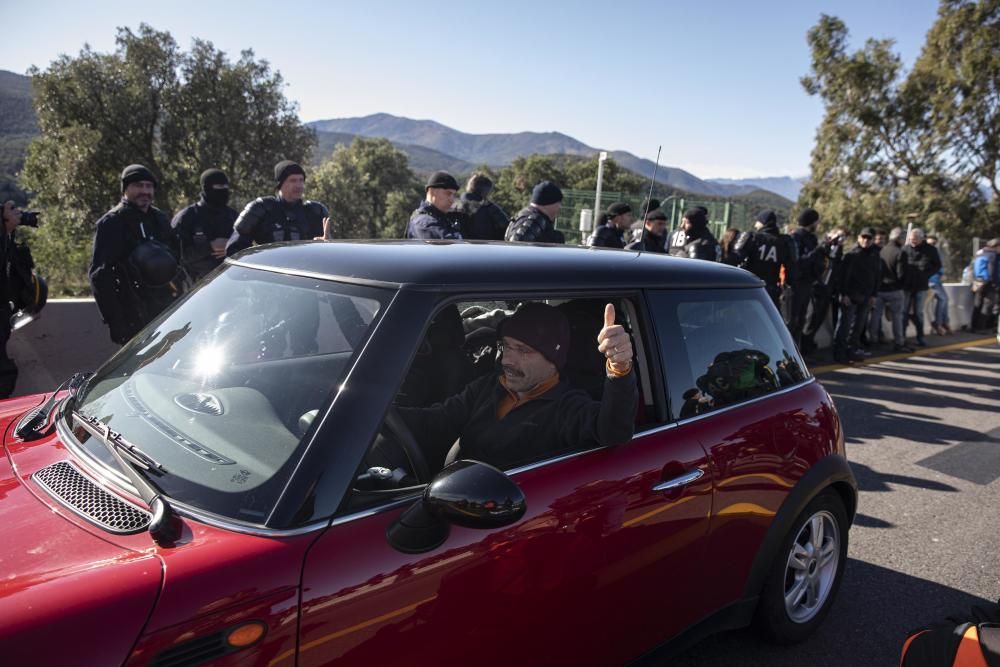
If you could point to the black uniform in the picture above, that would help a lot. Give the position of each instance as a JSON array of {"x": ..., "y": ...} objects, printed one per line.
[
  {"x": 533, "y": 226},
  {"x": 697, "y": 243},
  {"x": 859, "y": 282},
  {"x": 608, "y": 236},
  {"x": 763, "y": 253},
  {"x": 649, "y": 243},
  {"x": 195, "y": 227},
  {"x": 428, "y": 222},
  {"x": 272, "y": 219},
  {"x": 809, "y": 271},
  {"x": 8, "y": 369},
  {"x": 480, "y": 219},
  {"x": 126, "y": 303}
]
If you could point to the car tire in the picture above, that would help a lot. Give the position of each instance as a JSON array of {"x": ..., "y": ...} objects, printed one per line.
[{"x": 806, "y": 574}]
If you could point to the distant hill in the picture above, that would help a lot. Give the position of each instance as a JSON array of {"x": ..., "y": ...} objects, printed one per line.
[
  {"x": 18, "y": 126},
  {"x": 785, "y": 186},
  {"x": 501, "y": 149},
  {"x": 421, "y": 160}
]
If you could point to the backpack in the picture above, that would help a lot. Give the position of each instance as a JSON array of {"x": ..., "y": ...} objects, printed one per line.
[{"x": 968, "y": 640}]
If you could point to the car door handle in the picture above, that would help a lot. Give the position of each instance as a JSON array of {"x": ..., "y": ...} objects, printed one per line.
[{"x": 678, "y": 482}]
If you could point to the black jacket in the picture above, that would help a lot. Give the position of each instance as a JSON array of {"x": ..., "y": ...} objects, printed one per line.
[
  {"x": 608, "y": 236},
  {"x": 922, "y": 262},
  {"x": 764, "y": 252},
  {"x": 125, "y": 304},
  {"x": 649, "y": 243},
  {"x": 696, "y": 244},
  {"x": 533, "y": 226},
  {"x": 812, "y": 260},
  {"x": 563, "y": 419},
  {"x": 480, "y": 219},
  {"x": 272, "y": 219},
  {"x": 862, "y": 272},
  {"x": 428, "y": 222},
  {"x": 893, "y": 267},
  {"x": 195, "y": 227}
]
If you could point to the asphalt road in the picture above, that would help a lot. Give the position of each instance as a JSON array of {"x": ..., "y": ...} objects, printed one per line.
[{"x": 923, "y": 436}]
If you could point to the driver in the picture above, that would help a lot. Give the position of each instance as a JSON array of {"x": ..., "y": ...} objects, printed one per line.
[{"x": 530, "y": 412}]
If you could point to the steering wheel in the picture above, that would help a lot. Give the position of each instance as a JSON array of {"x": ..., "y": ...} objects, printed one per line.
[{"x": 403, "y": 436}]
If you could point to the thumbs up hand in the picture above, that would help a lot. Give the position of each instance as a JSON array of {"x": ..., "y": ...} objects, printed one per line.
[{"x": 614, "y": 343}]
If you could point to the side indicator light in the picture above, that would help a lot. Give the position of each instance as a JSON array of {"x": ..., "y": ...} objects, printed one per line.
[{"x": 246, "y": 634}]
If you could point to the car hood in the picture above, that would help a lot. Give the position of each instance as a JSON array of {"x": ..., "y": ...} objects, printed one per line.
[{"x": 67, "y": 594}]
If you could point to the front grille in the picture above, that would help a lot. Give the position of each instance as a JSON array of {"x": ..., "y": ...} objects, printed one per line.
[{"x": 71, "y": 488}]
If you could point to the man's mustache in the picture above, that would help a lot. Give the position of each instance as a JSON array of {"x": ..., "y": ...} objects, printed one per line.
[{"x": 510, "y": 370}]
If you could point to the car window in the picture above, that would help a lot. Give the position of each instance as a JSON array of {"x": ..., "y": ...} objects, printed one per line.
[
  {"x": 460, "y": 356},
  {"x": 223, "y": 388},
  {"x": 722, "y": 347}
]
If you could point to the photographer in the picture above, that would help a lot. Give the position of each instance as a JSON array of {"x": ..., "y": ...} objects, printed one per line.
[{"x": 18, "y": 284}]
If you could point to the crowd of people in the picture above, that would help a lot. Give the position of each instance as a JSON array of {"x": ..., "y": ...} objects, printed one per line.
[{"x": 142, "y": 261}]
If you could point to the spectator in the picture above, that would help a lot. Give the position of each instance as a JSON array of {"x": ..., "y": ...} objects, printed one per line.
[
  {"x": 611, "y": 232},
  {"x": 536, "y": 223},
  {"x": 693, "y": 239},
  {"x": 431, "y": 220},
  {"x": 133, "y": 272},
  {"x": 986, "y": 285},
  {"x": 203, "y": 228},
  {"x": 940, "y": 324},
  {"x": 890, "y": 291},
  {"x": 480, "y": 218},
  {"x": 922, "y": 261},
  {"x": 726, "y": 246},
  {"x": 859, "y": 283},
  {"x": 765, "y": 252},
  {"x": 654, "y": 233}
]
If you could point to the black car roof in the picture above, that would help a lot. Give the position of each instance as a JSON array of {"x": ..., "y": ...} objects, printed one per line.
[{"x": 490, "y": 265}]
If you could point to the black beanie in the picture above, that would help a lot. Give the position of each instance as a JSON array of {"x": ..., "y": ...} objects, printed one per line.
[
  {"x": 767, "y": 218},
  {"x": 650, "y": 205},
  {"x": 656, "y": 214},
  {"x": 442, "y": 179},
  {"x": 808, "y": 217},
  {"x": 216, "y": 196},
  {"x": 135, "y": 173},
  {"x": 211, "y": 177},
  {"x": 696, "y": 216},
  {"x": 546, "y": 193},
  {"x": 286, "y": 168},
  {"x": 541, "y": 327}
]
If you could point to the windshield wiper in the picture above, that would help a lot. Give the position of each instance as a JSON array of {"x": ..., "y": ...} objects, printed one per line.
[
  {"x": 164, "y": 527},
  {"x": 32, "y": 425}
]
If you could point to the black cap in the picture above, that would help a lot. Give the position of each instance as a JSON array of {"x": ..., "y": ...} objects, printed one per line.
[
  {"x": 546, "y": 193},
  {"x": 286, "y": 168},
  {"x": 867, "y": 231},
  {"x": 767, "y": 218},
  {"x": 808, "y": 217},
  {"x": 442, "y": 179},
  {"x": 135, "y": 173},
  {"x": 656, "y": 214},
  {"x": 650, "y": 204},
  {"x": 696, "y": 216},
  {"x": 619, "y": 208},
  {"x": 211, "y": 177},
  {"x": 542, "y": 327}
]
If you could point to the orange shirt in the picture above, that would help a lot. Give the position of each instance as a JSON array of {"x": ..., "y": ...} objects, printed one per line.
[{"x": 511, "y": 400}]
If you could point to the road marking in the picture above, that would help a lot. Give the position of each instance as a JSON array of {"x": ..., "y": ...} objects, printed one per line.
[{"x": 905, "y": 355}]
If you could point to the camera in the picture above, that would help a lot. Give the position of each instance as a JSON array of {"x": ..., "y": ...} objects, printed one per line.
[{"x": 30, "y": 218}]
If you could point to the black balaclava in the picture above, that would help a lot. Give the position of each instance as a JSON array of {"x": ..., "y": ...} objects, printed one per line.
[{"x": 212, "y": 190}]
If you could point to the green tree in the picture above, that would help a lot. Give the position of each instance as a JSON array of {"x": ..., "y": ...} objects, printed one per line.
[
  {"x": 513, "y": 186},
  {"x": 582, "y": 175},
  {"x": 147, "y": 102},
  {"x": 367, "y": 186}
]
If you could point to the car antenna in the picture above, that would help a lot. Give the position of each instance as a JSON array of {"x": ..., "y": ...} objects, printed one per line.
[{"x": 649, "y": 198}]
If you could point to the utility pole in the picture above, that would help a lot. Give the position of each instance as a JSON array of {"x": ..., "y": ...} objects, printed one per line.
[{"x": 600, "y": 180}]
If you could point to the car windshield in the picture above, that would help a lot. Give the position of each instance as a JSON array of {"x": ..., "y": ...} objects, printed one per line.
[{"x": 223, "y": 388}]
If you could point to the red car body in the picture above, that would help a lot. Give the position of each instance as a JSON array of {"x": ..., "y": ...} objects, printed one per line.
[{"x": 600, "y": 569}]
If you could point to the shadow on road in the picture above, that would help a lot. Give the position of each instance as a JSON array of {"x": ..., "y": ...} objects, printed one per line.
[
  {"x": 874, "y": 611},
  {"x": 872, "y": 480}
]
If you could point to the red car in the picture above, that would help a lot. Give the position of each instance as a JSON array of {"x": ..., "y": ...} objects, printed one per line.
[{"x": 240, "y": 484}]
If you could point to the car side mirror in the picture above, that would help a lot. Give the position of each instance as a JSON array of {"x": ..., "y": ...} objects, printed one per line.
[{"x": 466, "y": 493}]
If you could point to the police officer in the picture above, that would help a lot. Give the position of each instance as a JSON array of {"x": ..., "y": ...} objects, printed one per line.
[
  {"x": 536, "y": 223},
  {"x": 654, "y": 233},
  {"x": 479, "y": 218},
  {"x": 810, "y": 268},
  {"x": 431, "y": 220},
  {"x": 133, "y": 272},
  {"x": 693, "y": 238},
  {"x": 203, "y": 228},
  {"x": 611, "y": 232},
  {"x": 764, "y": 251},
  {"x": 285, "y": 216}
]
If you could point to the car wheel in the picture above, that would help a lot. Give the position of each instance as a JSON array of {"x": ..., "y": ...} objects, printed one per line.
[{"x": 804, "y": 579}]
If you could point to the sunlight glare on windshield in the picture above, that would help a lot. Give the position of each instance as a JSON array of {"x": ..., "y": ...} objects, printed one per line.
[{"x": 210, "y": 359}]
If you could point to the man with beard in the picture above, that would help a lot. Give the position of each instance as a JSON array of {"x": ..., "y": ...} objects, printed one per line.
[
  {"x": 132, "y": 271},
  {"x": 765, "y": 251},
  {"x": 654, "y": 233},
  {"x": 432, "y": 220},
  {"x": 284, "y": 216},
  {"x": 480, "y": 218},
  {"x": 859, "y": 284},
  {"x": 693, "y": 238},
  {"x": 203, "y": 228},
  {"x": 611, "y": 232},
  {"x": 536, "y": 223}
]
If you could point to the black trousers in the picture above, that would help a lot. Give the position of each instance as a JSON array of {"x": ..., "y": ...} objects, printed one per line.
[{"x": 8, "y": 369}]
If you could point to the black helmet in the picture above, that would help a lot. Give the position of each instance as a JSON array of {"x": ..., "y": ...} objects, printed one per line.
[{"x": 153, "y": 263}]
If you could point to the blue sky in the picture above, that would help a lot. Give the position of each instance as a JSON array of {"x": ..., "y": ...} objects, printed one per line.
[{"x": 716, "y": 83}]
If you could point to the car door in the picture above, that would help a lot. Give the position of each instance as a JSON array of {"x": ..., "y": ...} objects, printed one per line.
[
  {"x": 606, "y": 563},
  {"x": 730, "y": 366}
]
